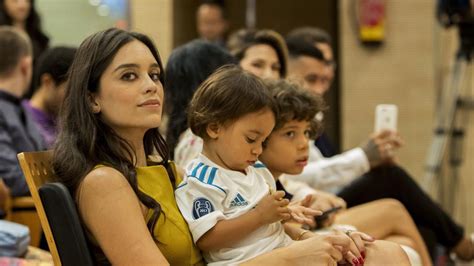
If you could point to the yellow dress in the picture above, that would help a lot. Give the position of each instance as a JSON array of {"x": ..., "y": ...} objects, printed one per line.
[{"x": 171, "y": 232}]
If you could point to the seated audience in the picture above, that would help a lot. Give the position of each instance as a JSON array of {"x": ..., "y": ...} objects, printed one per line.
[
  {"x": 361, "y": 175},
  {"x": 18, "y": 132},
  {"x": 48, "y": 93},
  {"x": 112, "y": 158}
]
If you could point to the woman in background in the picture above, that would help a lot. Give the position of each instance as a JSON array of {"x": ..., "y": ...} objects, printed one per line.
[
  {"x": 187, "y": 67},
  {"x": 22, "y": 15},
  {"x": 261, "y": 52}
]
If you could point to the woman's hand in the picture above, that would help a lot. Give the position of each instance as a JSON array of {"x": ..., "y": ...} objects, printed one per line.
[
  {"x": 356, "y": 252},
  {"x": 322, "y": 249}
]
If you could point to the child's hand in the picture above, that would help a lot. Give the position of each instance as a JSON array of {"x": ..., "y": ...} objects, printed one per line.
[
  {"x": 273, "y": 208},
  {"x": 303, "y": 215}
]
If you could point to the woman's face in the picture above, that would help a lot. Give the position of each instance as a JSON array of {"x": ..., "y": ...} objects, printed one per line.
[
  {"x": 262, "y": 61},
  {"x": 18, "y": 10},
  {"x": 130, "y": 96}
]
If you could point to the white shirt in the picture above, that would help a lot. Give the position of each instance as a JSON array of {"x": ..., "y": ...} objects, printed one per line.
[
  {"x": 188, "y": 148},
  {"x": 333, "y": 173},
  {"x": 210, "y": 193}
]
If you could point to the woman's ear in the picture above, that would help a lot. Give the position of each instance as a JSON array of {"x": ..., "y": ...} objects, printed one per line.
[
  {"x": 95, "y": 106},
  {"x": 213, "y": 130}
]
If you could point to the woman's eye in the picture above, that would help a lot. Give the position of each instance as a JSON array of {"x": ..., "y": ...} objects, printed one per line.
[
  {"x": 249, "y": 140},
  {"x": 257, "y": 64},
  {"x": 276, "y": 67},
  {"x": 129, "y": 76},
  {"x": 155, "y": 76}
]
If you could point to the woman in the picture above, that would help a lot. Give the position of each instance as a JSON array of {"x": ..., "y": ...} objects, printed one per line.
[
  {"x": 261, "y": 52},
  {"x": 112, "y": 158},
  {"x": 200, "y": 58},
  {"x": 22, "y": 15}
]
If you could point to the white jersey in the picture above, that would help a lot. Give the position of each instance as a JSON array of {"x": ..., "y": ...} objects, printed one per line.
[
  {"x": 333, "y": 173},
  {"x": 210, "y": 193}
]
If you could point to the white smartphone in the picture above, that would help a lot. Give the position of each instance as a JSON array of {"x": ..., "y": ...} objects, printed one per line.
[{"x": 386, "y": 117}]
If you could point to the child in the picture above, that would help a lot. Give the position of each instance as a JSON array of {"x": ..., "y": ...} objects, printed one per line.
[
  {"x": 286, "y": 152},
  {"x": 228, "y": 198}
]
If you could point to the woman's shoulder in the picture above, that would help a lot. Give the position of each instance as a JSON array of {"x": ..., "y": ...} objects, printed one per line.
[{"x": 103, "y": 178}]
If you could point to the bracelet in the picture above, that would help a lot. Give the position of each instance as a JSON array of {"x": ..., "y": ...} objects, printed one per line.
[{"x": 298, "y": 238}]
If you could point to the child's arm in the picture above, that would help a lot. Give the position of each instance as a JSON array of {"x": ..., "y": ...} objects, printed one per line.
[
  {"x": 225, "y": 233},
  {"x": 303, "y": 215}
]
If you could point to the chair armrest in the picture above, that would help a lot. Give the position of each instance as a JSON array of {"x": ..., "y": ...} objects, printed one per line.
[{"x": 22, "y": 203}]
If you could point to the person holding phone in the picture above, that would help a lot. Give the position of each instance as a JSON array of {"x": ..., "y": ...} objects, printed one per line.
[{"x": 369, "y": 172}]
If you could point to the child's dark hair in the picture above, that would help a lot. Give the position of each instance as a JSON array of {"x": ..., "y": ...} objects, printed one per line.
[
  {"x": 228, "y": 94},
  {"x": 294, "y": 103}
]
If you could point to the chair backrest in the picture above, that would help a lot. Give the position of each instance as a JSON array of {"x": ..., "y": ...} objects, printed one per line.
[
  {"x": 65, "y": 224},
  {"x": 36, "y": 167}
]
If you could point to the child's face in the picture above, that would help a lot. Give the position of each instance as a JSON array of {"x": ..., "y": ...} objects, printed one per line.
[
  {"x": 286, "y": 151},
  {"x": 238, "y": 145}
]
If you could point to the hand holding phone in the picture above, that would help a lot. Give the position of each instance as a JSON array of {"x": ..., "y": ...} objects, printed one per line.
[
  {"x": 323, "y": 217},
  {"x": 386, "y": 116}
]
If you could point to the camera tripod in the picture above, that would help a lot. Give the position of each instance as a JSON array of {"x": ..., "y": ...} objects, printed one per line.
[{"x": 451, "y": 121}]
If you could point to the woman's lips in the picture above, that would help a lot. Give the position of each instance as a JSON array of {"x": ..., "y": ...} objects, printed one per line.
[{"x": 150, "y": 103}]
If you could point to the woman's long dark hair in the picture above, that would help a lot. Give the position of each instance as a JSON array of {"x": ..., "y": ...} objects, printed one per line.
[
  {"x": 32, "y": 26},
  {"x": 84, "y": 139},
  {"x": 187, "y": 67}
]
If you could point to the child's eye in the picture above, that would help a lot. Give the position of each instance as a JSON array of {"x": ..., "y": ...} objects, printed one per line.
[
  {"x": 250, "y": 140},
  {"x": 307, "y": 133},
  {"x": 129, "y": 76},
  {"x": 276, "y": 67},
  {"x": 290, "y": 134}
]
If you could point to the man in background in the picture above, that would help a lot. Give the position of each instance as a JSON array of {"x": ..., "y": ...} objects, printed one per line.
[
  {"x": 18, "y": 133},
  {"x": 211, "y": 22},
  {"x": 48, "y": 93}
]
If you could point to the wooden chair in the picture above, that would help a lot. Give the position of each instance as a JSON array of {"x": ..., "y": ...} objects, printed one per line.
[
  {"x": 21, "y": 210},
  {"x": 58, "y": 215}
]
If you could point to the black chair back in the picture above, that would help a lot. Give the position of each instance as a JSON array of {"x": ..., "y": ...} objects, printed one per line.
[{"x": 65, "y": 224}]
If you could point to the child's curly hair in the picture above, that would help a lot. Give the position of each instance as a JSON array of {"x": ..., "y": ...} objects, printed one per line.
[{"x": 292, "y": 102}]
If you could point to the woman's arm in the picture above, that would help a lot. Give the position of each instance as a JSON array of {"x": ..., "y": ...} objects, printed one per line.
[
  {"x": 112, "y": 212},
  {"x": 316, "y": 250}
]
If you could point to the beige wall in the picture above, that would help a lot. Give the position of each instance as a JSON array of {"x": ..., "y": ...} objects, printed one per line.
[
  {"x": 154, "y": 18},
  {"x": 401, "y": 71}
]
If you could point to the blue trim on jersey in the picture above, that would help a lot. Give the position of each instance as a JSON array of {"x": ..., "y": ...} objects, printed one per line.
[
  {"x": 203, "y": 173},
  {"x": 216, "y": 186},
  {"x": 194, "y": 172},
  {"x": 212, "y": 175},
  {"x": 259, "y": 165}
]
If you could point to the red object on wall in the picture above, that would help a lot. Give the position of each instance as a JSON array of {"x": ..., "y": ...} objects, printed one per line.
[{"x": 371, "y": 16}]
